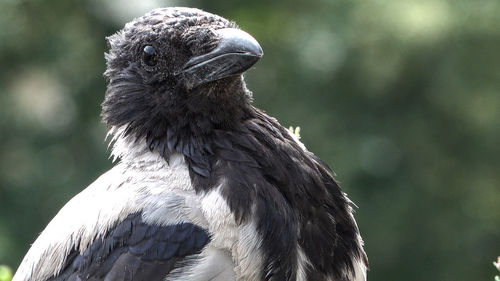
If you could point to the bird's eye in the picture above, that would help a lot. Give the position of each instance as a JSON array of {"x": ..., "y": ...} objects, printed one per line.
[{"x": 149, "y": 56}]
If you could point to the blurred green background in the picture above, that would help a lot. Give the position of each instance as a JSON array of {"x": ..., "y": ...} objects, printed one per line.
[{"x": 400, "y": 97}]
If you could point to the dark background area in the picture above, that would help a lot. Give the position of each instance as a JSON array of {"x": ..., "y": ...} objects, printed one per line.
[{"x": 400, "y": 97}]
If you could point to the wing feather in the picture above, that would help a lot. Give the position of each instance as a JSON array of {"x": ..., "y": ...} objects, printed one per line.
[{"x": 135, "y": 250}]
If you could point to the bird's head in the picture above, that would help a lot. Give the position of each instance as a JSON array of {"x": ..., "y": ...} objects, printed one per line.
[{"x": 175, "y": 68}]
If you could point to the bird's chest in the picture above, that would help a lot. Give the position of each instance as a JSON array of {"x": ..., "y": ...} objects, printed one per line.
[{"x": 165, "y": 195}]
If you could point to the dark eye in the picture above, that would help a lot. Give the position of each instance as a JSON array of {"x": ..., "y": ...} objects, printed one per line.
[{"x": 149, "y": 56}]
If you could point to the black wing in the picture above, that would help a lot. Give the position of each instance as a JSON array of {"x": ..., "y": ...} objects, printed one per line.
[{"x": 134, "y": 250}]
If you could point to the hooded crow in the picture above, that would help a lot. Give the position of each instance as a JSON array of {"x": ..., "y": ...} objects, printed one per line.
[{"x": 207, "y": 187}]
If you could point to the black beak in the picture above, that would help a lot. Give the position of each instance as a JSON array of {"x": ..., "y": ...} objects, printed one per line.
[{"x": 236, "y": 52}]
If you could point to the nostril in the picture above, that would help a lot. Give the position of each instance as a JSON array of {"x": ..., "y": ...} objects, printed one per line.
[{"x": 200, "y": 40}]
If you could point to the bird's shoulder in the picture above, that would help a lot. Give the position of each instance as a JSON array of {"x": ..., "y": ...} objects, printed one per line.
[
  {"x": 303, "y": 202},
  {"x": 144, "y": 218}
]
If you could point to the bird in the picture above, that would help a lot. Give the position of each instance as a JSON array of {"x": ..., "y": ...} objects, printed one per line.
[{"x": 205, "y": 186}]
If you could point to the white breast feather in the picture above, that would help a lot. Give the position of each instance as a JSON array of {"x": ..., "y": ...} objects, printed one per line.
[{"x": 242, "y": 241}]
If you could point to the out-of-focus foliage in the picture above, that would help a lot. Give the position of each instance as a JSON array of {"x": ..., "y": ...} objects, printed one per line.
[
  {"x": 5, "y": 273},
  {"x": 497, "y": 266},
  {"x": 400, "y": 97}
]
